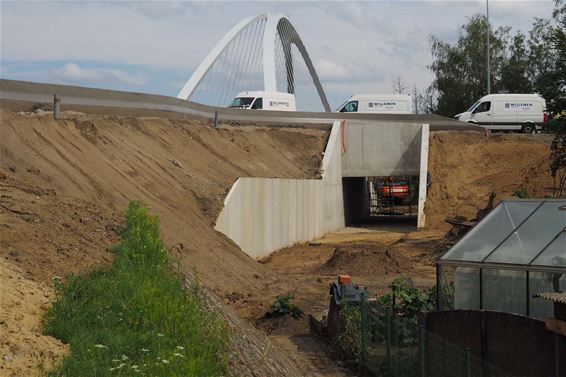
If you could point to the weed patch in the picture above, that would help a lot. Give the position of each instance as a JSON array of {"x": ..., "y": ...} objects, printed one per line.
[
  {"x": 134, "y": 317},
  {"x": 283, "y": 305}
]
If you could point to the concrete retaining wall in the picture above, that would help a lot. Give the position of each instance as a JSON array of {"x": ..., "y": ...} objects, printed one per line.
[
  {"x": 381, "y": 149},
  {"x": 262, "y": 215}
]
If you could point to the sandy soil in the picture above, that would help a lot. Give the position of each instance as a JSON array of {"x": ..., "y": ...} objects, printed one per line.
[
  {"x": 64, "y": 185},
  {"x": 374, "y": 260},
  {"x": 466, "y": 167},
  {"x": 23, "y": 349}
]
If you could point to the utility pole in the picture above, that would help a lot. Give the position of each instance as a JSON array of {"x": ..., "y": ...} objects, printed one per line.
[{"x": 488, "y": 60}]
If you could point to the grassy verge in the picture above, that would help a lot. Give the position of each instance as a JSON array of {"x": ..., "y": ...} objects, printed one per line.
[{"x": 134, "y": 317}]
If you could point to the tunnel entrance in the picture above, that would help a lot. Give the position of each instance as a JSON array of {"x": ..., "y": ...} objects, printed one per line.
[{"x": 383, "y": 199}]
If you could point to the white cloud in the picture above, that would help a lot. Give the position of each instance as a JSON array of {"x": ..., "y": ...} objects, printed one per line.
[
  {"x": 71, "y": 72},
  {"x": 330, "y": 70}
]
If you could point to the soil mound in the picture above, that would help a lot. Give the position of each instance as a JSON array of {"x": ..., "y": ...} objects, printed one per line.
[
  {"x": 466, "y": 167},
  {"x": 365, "y": 259}
]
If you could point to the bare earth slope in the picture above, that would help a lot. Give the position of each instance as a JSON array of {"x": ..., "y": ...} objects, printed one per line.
[
  {"x": 466, "y": 167},
  {"x": 64, "y": 185}
]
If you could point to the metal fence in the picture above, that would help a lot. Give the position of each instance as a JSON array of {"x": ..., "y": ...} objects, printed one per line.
[{"x": 393, "y": 345}]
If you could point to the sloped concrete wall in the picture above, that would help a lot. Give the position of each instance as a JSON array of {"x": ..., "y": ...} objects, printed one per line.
[{"x": 262, "y": 215}]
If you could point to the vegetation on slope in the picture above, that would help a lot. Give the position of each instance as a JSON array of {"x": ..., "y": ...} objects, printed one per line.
[{"x": 134, "y": 317}]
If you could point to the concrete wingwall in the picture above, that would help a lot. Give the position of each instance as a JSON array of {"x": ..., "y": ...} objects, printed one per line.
[{"x": 262, "y": 215}]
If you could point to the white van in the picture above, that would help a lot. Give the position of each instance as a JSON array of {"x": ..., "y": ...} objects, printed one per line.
[
  {"x": 260, "y": 100},
  {"x": 378, "y": 103},
  {"x": 524, "y": 112}
]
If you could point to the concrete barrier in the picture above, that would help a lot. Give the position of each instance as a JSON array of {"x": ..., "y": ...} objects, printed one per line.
[{"x": 262, "y": 215}]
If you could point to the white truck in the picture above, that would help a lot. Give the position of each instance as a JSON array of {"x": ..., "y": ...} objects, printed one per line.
[
  {"x": 378, "y": 104},
  {"x": 260, "y": 100},
  {"x": 521, "y": 112}
]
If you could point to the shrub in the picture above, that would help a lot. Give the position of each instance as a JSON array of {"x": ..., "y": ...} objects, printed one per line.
[
  {"x": 349, "y": 339},
  {"x": 521, "y": 194},
  {"x": 282, "y": 305}
]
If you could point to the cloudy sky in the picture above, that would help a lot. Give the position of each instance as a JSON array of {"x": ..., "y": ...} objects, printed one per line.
[{"x": 154, "y": 47}]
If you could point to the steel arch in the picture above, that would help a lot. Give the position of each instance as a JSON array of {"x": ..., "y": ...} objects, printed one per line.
[{"x": 276, "y": 24}]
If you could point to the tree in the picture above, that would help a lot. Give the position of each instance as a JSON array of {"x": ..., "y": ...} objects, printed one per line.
[
  {"x": 461, "y": 69},
  {"x": 399, "y": 86},
  {"x": 559, "y": 43},
  {"x": 558, "y": 156},
  {"x": 544, "y": 63},
  {"x": 427, "y": 101},
  {"x": 516, "y": 74}
]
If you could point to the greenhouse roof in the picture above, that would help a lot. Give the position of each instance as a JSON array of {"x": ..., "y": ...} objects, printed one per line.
[{"x": 517, "y": 234}]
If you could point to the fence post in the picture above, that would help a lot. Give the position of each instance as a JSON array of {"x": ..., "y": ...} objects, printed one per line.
[
  {"x": 468, "y": 363},
  {"x": 422, "y": 351},
  {"x": 388, "y": 335},
  {"x": 364, "y": 326},
  {"x": 56, "y": 106},
  {"x": 216, "y": 119}
]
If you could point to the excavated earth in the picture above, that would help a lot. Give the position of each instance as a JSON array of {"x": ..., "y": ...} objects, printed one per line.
[{"x": 65, "y": 184}]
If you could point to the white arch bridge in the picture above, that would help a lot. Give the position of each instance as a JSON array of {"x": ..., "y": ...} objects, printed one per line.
[{"x": 256, "y": 54}]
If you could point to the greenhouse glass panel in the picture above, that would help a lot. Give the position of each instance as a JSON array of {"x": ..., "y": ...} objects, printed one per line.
[
  {"x": 554, "y": 254},
  {"x": 518, "y": 211},
  {"x": 466, "y": 288},
  {"x": 532, "y": 236},
  {"x": 504, "y": 291},
  {"x": 500, "y": 222}
]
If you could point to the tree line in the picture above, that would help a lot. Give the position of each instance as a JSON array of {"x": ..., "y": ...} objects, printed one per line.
[{"x": 520, "y": 63}]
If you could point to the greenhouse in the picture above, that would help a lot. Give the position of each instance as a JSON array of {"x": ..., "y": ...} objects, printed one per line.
[{"x": 515, "y": 252}]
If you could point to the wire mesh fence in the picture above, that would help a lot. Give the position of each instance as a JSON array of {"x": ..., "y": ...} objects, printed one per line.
[{"x": 390, "y": 344}]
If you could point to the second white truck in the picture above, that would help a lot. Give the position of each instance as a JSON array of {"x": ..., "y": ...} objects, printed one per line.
[{"x": 378, "y": 104}]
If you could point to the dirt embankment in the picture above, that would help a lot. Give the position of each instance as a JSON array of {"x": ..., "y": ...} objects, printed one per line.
[
  {"x": 64, "y": 185},
  {"x": 466, "y": 167}
]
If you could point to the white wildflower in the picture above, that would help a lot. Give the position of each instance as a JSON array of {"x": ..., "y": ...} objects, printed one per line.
[
  {"x": 100, "y": 346},
  {"x": 117, "y": 367},
  {"x": 178, "y": 354},
  {"x": 144, "y": 350},
  {"x": 134, "y": 366},
  {"x": 159, "y": 334},
  {"x": 180, "y": 348},
  {"x": 165, "y": 361},
  {"x": 124, "y": 357}
]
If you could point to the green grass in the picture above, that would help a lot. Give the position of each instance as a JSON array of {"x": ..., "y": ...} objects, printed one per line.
[{"x": 134, "y": 318}]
